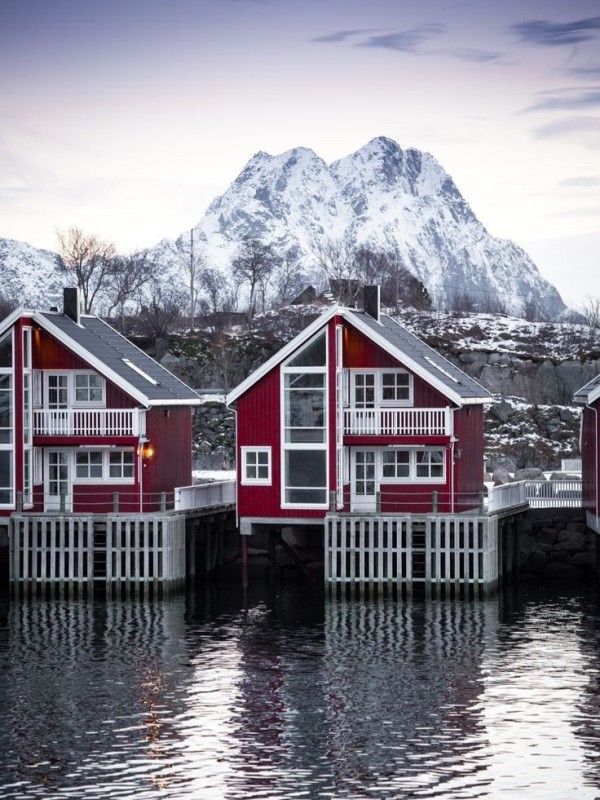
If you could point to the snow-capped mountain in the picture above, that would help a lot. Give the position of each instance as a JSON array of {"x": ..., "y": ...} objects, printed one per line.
[
  {"x": 29, "y": 275},
  {"x": 383, "y": 198}
]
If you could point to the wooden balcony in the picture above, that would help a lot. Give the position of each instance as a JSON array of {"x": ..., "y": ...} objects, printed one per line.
[
  {"x": 89, "y": 422},
  {"x": 397, "y": 422}
]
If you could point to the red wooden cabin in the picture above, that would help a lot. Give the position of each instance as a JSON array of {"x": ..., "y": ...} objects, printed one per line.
[
  {"x": 356, "y": 414},
  {"x": 589, "y": 397},
  {"x": 87, "y": 420}
]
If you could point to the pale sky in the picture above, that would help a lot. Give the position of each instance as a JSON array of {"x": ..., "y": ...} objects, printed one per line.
[{"x": 127, "y": 117}]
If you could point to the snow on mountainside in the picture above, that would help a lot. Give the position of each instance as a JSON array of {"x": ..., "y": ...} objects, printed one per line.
[
  {"x": 29, "y": 275},
  {"x": 381, "y": 197},
  {"x": 384, "y": 198}
]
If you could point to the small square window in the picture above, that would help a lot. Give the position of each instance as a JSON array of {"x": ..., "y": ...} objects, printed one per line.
[
  {"x": 89, "y": 388},
  {"x": 256, "y": 465},
  {"x": 88, "y": 464},
  {"x": 120, "y": 464}
]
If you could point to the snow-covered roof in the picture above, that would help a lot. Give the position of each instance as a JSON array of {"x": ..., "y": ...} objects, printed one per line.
[{"x": 402, "y": 345}]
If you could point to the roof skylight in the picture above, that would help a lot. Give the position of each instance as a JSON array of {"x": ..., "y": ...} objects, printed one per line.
[{"x": 139, "y": 371}]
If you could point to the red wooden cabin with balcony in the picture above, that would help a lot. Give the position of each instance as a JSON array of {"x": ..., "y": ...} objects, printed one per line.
[
  {"x": 357, "y": 415},
  {"x": 88, "y": 422}
]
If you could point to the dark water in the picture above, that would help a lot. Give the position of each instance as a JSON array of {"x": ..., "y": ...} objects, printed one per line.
[{"x": 301, "y": 697}]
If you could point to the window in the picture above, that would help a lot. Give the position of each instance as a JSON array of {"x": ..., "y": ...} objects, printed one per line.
[
  {"x": 89, "y": 388},
  {"x": 88, "y": 464},
  {"x": 430, "y": 464},
  {"x": 67, "y": 389},
  {"x": 381, "y": 388},
  {"x": 412, "y": 464},
  {"x": 107, "y": 465},
  {"x": 304, "y": 404},
  {"x": 7, "y": 421},
  {"x": 256, "y": 465},
  {"x": 395, "y": 387},
  {"x": 396, "y": 464},
  {"x": 120, "y": 464},
  {"x": 306, "y": 477}
]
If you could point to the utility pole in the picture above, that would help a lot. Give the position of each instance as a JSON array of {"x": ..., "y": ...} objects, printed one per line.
[{"x": 192, "y": 271}]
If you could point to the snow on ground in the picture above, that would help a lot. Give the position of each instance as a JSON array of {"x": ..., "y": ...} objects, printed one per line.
[{"x": 213, "y": 475}]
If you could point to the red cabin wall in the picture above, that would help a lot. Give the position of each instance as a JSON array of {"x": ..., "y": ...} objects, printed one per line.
[
  {"x": 169, "y": 430},
  {"x": 469, "y": 453},
  {"x": 590, "y": 446}
]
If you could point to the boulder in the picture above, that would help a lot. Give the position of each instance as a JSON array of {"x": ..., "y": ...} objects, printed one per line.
[
  {"x": 529, "y": 474},
  {"x": 501, "y": 476},
  {"x": 501, "y": 411}
]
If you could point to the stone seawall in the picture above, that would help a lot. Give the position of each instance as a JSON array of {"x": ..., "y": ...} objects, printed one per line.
[{"x": 555, "y": 544}]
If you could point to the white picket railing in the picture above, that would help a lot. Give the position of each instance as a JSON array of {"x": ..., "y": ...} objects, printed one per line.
[
  {"x": 570, "y": 465},
  {"x": 89, "y": 422},
  {"x": 535, "y": 494},
  {"x": 398, "y": 422},
  {"x": 204, "y": 495}
]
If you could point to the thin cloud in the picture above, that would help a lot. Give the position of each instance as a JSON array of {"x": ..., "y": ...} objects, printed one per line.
[
  {"x": 582, "y": 130},
  {"x": 478, "y": 56},
  {"x": 581, "y": 181},
  {"x": 404, "y": 41},
  {"x": 553, "y": 34},
  {"x": 587, "y": 73},
  {"x": 572, "y": 100},
  {"x": 343, "y": 36}
]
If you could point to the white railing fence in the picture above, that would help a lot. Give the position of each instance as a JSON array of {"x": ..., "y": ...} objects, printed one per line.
[
  {"x": 89, "y": 422},
  {"x": 398, "y": 421},
  {"x": 204, "y": 495},
  {"x": 570, "y": 465},
  {"x": 535, "y": 494}
]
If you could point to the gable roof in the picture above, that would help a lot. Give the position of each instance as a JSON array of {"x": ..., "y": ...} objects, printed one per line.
[
  {"x": 589, "y": 393},
  {"x": 114, "y": 357},
  {"x": 402, "y": 345}
]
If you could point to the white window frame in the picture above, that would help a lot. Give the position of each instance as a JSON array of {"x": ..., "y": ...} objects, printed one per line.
[
  {"x": 88, "y": 403},
  {"x": 318, "y": 446},
  {"x": 412, "y": 472},
  {"x": 252, "y": 450},
  {"x": 106, "y": 476},
  {"x": 10, "y": 446},
  {"x": 71, "y": 388},
  {"x": 378, "y": 374},
  {"x": 89, "y": 466},
  {"x": 122, "y": 465}
]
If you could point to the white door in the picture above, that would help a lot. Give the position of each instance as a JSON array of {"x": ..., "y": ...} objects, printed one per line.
[
  {"x": 363, "y": 480},
  {"x": 58, "y": 493}
]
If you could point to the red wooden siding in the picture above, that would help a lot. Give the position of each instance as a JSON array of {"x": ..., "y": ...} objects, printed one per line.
[
  {"x": 590, "y": 444},
  {"x": 170, "y": 431},
  {"x": 469, "y": 468}
]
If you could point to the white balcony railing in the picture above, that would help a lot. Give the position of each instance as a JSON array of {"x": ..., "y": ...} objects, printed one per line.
[
  {"x": 89, "y": 422},
  {"x": 398, "y": 422},
  {"x": 535, "y": 494},
  {"x": 204, "y": 495}
]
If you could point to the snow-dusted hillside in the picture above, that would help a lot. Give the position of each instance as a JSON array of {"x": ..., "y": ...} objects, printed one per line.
[
  {"x": 29, "y": 275},
  {"x": 381, "y": 197}
]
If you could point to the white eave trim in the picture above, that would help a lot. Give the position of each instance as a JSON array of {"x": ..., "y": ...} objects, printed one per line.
[
  {"x": 282, "y": 354},
  {"x": 399, "y": 355}
]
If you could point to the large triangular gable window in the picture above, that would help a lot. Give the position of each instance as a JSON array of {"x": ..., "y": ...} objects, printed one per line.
[{"x": 304, "y": 436}]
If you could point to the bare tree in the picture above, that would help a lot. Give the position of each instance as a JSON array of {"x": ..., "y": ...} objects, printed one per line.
[
  {"x": 88, "y": 259},
  {"x": 337, "y": 259},
  {"x": 287, "y": 280},
  {"x": 218, "y": 294},
  {"x": 591, "y": 312},
  {"x": 253, "y": 265},
  {"x": 158, "y": 317},
  {"x": 127, "y": 276}
]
